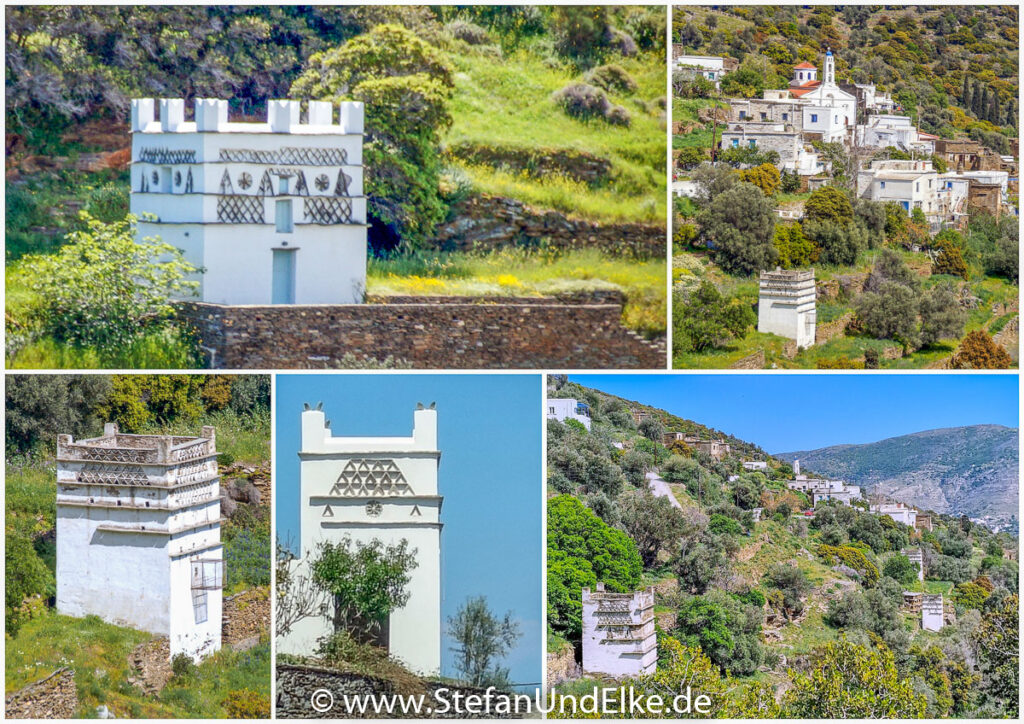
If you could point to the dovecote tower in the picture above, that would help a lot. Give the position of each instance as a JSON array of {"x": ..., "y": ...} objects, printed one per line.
[
  {"x": 376, "y": 488},
  {"x": 138, "y": 534},
  {"x": 619, "y": 638},
  {"x": 274, "y": 213},
  {"x": 786, "y": 305}
]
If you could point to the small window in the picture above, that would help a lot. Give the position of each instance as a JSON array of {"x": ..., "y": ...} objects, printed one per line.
[
  {"x": 785, "y": 116},
  {"x": 551, "y": 410},
  {"x": 735, "y": 143},
  {"x": 282, "y": 186},
  {"x": 764, "y": 116},
  {"x": 917, "y": 186},
  {"x": 743, "y": 115},
  {"x": 883, "y": 184},
  {"x": 753, "y": 144},
  {"x": 814, "y": 118},
  {"x": 283, "y": 216}
]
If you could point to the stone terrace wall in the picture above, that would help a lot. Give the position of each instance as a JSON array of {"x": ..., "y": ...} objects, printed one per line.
[
  {"x": 296, "y": 685},
  {"x": 246, "y": 617},
  {"x": 54, "y": 697},
  {"x": 578, "y": 165},
  {"x": 439, "y": 334},
  {"x": 491, "y": 222}
]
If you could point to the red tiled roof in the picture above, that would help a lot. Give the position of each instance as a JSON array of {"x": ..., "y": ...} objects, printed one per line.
[{"x": 804, "y": 65}]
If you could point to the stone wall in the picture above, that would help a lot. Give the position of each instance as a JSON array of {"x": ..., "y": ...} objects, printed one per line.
[
  {"x": 54, "y": 697},
  {"x": 753, "y": 361},
  {"x": 246, "y": 618},
  {"x": 562, "y": 666},
  {"x": 830, "y": 330},
  {"x": 296, "y": 685},
  {"x": 491, "y": 222},
  {"x": 536, "y": 162},
  {"x": 437, "y": 333}
]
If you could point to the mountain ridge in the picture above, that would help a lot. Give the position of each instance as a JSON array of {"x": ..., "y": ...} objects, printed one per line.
[{"x": 970, "y": 469}]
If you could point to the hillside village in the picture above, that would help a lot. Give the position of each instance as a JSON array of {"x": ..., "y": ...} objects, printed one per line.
[
  {"x": 680, "y": 555},
  {"x": 808, "y": 159}
]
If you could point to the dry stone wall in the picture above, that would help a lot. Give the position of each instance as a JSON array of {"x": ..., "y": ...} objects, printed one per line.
[
  {"x": 491, "y": 222},
  {"x": 54, "y": 697},
  {"x": 577, "y": 165},
  {"x": 246, "y": 618},
  {"x": 435, "y": 333},
  {"x": 296, "y": 685}
]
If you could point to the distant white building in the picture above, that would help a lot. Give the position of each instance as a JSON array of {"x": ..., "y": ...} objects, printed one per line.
[
  {"x": 884, "y": 131},
  {"x": 760, "y": 465},
  {"x": 563, "y": 409},
  {"x": 273, "y": 213},
  {"x": 911, "y": 184},
  {"x": 874, "y": 100},
  {"x": 821, "y": 489},
  {"x": 915, "y": 556},
  {"x": 786, "y": 305},
  {"x": 619, "y": 638},
  {"x": 794, "y": 153},
  {"x": 827, "y": 109},
  {"x": 712, "y": 67},
  {"x": 899, "y": 512}
]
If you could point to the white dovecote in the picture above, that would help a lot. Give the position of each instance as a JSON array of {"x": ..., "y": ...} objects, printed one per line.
[{"x": 272, "y": 212}]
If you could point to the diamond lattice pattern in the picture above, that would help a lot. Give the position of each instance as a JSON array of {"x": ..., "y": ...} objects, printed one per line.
[{"x": 371, "y": 477}]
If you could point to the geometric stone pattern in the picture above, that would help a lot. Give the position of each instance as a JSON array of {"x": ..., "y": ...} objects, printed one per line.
[
  {"x": 236, "y": 209},
  {"x": 164, "y": 155},
  {"x": 303, "y": 156},
  {"x": 112, "y": 474},
  {"x": 118, "y": 455},
  {"x": 371, "y": 477},
  {"x": 325, "y": 210},
  {"x": 193, "y": 451}
]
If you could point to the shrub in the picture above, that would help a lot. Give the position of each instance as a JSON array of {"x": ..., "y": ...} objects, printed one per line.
[
  {"x": 583, "y": 101},
  {"x": 978, "y": 351},
  {"x": 246, "y": 704},
  {"x": 618, "y": 116},
  {"x": 612, "y": 78},
  {"x": 26, "y": 575},
  {"x": 468, "y": 32},
  {"x": 852, "y": 557},
  {"x": 182, "y": 665}
]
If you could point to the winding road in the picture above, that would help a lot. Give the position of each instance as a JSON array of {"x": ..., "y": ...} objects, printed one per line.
[{"x": 661, "y": 489}]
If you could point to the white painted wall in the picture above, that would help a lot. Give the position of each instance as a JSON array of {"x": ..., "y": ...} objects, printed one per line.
[
  {"x": 787, "y": 308},
  {"x": 602, "y": 653},
  {"x": 932, "y": 612},
  {"x": 563, "y": 409}
]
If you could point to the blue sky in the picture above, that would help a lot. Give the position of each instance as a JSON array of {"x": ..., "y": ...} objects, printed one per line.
[
  {"x": 791, "y": 412},
  {"x": 489, "y": 433}
]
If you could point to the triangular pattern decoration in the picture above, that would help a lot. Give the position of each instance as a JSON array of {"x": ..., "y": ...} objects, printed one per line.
[
  {"x": 300, "y": 185},
  {"x": 371, "y": 477},
  {"x": 328, "y": 513},
  {"x": 266, "y": 185},
  {"x": 226, "y": 186},
  {"x": 415, "y": 510}
]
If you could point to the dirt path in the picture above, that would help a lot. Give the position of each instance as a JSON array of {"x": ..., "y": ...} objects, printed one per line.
[{"x": 661, "y": 489}]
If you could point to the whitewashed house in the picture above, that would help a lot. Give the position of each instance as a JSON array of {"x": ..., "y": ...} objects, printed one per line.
[
  {"x": 273, "y": 213},
  {"x": 899, "y": 512},
  {"x": 884, "y": 131},
  {"x": 794, "y": 153},
  {"x": 565, "y": 408},
  {"x": 712, "y": 67},
  {"x": 619, "y": 637},
  {"x": 376, "y": 488},
  {"x": 911, "y": 184},
  {"x": 138, "y": 535}
]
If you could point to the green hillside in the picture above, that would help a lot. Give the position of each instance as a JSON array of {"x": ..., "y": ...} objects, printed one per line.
[{"x": 755, "y": 598}]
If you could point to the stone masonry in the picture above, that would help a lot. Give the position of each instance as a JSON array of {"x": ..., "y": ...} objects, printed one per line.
[{"x": 436, "y": 333}]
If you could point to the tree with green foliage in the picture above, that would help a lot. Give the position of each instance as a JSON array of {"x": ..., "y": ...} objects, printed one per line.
[
  {"x": 942, "y": 317},
  {"x": 481, "y": 639},
  {"x": 739, "y": 225},
  {"x": 652, "y": 429},
  {"x": 900, "y": 568},
  {"x": 682, "y": 670},
  {"x": 137, "y": 401},
  {"x": 103, "y": 289},
  {"x": 40, "y": 407},
  {"x": 998, "y": 641},
  {"x": 839, "y": 242},
  {"x": 582, "y": 550},
  {"x": 793, "y": 248},
  {"x": 25, "y": 574},
  {"x": 653, "y": 523},
  {"x": 365, "y": 582},
  {"x": 793, "y": 584},
  {"x": 405, "y": 84},
  {"x": 970, "y": 595},
  {"x": 889, "y": 313},
  {"x": 829, "y": 203},
  {"x": 850, "y": 681},
  {"x": 707, "y": 319},
  {"x": 765, "y": 177},
  {"x": 949, "y": 260}
]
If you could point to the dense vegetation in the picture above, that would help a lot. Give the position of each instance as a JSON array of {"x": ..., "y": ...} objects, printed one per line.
[
  {"x": 39, "y": 407},
  {"x": 805, "y": 605}
]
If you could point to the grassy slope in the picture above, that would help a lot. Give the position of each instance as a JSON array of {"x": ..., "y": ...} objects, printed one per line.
[{"x": 508, "y": 103}]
